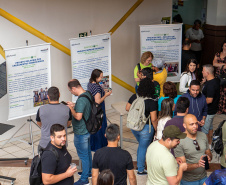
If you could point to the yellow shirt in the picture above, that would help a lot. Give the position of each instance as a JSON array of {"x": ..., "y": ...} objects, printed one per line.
[
  {"x": 161, "y": 79},
  {"x": 136, "y": 70}
]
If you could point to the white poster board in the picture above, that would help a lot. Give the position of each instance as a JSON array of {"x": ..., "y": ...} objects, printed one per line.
[
  {"x": 28, "y": 79},
  {"x": 165, "y": 42},
  {"x": 89, "y": 53}
]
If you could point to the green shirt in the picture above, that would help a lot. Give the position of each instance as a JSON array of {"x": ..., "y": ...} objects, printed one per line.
[
  {"x": 187, "y": 149},
  {"x": 82, "y": 106},
  {"x": 160, "y": 164},
  {"x": 136, "y": 70}
]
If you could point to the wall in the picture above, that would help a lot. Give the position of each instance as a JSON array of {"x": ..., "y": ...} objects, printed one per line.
[
  {"x": 190, "y": 11},
  {"x": 62, "y": 20}
]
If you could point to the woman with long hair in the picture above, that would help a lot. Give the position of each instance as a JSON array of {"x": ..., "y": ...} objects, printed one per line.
[
  {"x": 98, "y": 139},
  {"x": 188, "y": 75},
  {"x": 170, "y": 91},
  {"x": 144, "y": 137},
  {"x": 167, "y": 108},
  {"x": 106, "y": 177},
  {"x": 220, "y": 62}
]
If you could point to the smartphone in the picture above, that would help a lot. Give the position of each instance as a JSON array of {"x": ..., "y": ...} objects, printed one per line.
[
  {"x": 109, "y": 89},
  {"x": 205, "y": 158},
  {"x": 63, "y": 102}
]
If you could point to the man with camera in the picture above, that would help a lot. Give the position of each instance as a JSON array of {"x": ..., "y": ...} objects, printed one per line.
[{"x": 194, "y": 150}]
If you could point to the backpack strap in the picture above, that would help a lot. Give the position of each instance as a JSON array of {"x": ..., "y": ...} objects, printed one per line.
[
  {"x": 138, "y": 66},
  {"x": 52, "y": 149},
  {"x": 91, "y": 102}
]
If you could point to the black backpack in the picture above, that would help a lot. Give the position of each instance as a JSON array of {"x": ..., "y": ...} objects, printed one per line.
[
  {"x": 94, "y": 123},
  {"x": 217, "y": 143},
  {"x": 35, "y": 177}
]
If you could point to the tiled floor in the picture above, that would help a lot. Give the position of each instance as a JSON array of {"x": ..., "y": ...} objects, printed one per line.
[{"x": 19, "y": 149}]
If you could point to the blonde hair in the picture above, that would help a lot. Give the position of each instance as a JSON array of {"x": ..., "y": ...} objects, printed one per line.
[{"x": 145, "y": 56}]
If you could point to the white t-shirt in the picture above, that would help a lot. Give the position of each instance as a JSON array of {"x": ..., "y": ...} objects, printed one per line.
[
  {"x": 160, "y": 164},
  {"x": 193, "y": 34},
  {"x": 161, "y": 125}
]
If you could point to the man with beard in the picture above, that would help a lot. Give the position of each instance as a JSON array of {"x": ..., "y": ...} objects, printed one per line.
[
  {"x": 57, "y": 170},
  {"x": 198, "y": 105},
  {"x": 191, "y": 150},
  {"x": 162, "y": 168}
]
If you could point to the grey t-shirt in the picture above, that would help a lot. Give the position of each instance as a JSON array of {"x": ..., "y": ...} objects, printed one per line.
[
  {"x": 49, "y": 115},
  {"x": 188, "y": 149}
]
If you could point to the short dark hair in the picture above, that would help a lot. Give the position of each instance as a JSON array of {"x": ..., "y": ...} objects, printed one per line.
[
  {"x": 112, "y": 132},
  {"x": 194, "y": 82},
  {"x": 186, "y": 42},
  {"x": 53, "y": 93},
  {"x": 164, "y": 138},
  {"x": 197, "y": 21},
  {"x": 148, "y": 72},
  {"x": 182, "y": 104},
  {"x": 95, "y": 74},
  {"x": 56, "y": 128},
  {"x": 170, "y": 89},
  {"x": 73, "y": 83},
  {"x": 105, "y": 177}
]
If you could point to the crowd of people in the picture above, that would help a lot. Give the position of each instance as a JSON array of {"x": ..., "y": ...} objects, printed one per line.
[{"x": 173, "y": 142}]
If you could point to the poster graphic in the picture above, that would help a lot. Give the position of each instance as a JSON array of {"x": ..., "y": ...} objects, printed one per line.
[
  {"x": 89, "y": 53},
  {"x": 165, "y": 42},
  {"x": 28, "y": 71}
]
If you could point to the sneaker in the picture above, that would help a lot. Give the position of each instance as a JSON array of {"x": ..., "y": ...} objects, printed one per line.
[
  {"x": 80, "y": 173},
  {"x": 80, "y": 182},
  {"x": 136, "y": 169},
  {"x": 142, "y": 173}
]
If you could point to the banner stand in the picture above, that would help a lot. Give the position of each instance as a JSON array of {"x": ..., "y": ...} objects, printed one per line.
[{"x": 30, "y": 142}]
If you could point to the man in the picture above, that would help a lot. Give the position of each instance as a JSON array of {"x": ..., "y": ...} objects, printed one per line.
[
  {"x": 211, "y": 91},
  {"x": 112, "y": 157},
  {"x": 198, "y": 106},
  {"x": 41, "y": 95},
  {"x": 160, "y": 74},
  {"x": 192, "y": 150},
  {"x": 195, "y": 35},
  {"x": 162, "y": 167},
  {"x": 55, "y": 170},
  {"x": 182, "y": 106},
  {"x": 52, "y": 113},
  {"x": 186, "y": 54},
  {"x": 81, "y": 109}
]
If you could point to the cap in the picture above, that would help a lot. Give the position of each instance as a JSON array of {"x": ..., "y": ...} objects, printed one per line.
[
  {"x": 173, "y": 131},
  {"x": 157, "y": 63}
]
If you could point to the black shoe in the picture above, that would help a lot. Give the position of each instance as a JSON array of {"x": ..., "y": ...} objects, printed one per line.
[{"x": 142, "y": 173}]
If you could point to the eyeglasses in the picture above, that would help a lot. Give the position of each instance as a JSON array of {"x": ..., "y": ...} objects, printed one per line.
[{"x": 197, "y": 147}]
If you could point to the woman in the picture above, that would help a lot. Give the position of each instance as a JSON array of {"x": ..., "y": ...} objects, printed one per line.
[
  {"x": 189, "y": 75},
  {"x": 145, "y": 137},
  {"x": 219, "y": 61},
  {"x": 146, "y": 59},
  {"x": 106, "y": 177},
  {"x": 170, "y": 91},
  {"x": 165, "y": 115},
  {"x": 98, "y": 139}
]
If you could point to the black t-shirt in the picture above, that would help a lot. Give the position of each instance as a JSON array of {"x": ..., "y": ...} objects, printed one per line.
[
  {"x": 115, "y": 159},
  {"x": 51, "y": 166},
  {"x": 150, "y": 105},
  {"x": 186, "y": 55},
  {"x": 211, "y": 89}
]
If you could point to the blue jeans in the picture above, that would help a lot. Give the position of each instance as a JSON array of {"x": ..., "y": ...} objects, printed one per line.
[
  {"x": 208, "y": 124},
  {"x": 144, "y": 139},
  {"x": 82, "y": 145},
  {"x": 199, "y": 182}
]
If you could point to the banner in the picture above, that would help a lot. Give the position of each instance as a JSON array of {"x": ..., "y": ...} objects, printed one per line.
[
  {"x": 28, "y": 79},
  {"x": 165, "y": 42},
  {"x": 3, "y": 81},
  {"x": 89, "y": 53}
]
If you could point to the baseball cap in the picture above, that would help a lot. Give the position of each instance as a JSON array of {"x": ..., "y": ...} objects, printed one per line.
[
  {"x": 173, "y": 131},
  {"x": 157, "y": 63}
]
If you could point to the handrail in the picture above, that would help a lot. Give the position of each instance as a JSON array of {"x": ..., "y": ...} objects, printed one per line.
[
  {"x": 130, "y": 11},
  {"x": 62, "y": 48}
]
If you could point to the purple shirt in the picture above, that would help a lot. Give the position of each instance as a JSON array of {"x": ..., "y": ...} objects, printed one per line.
[{"x": 177, "y": 121}]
